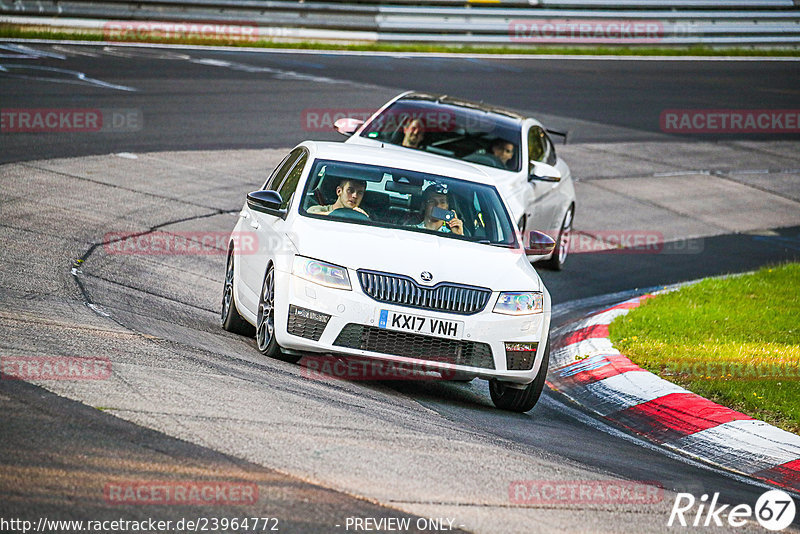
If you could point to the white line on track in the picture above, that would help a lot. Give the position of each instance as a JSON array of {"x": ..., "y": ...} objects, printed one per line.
[
  {"x": 52, "y": 74},
  {"x": 400, "y": 55}
]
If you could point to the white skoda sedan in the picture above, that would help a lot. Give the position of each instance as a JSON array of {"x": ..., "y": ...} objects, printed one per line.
[
  {"x": 514, "y": 149},
  {"x": 392, "y": 256}
]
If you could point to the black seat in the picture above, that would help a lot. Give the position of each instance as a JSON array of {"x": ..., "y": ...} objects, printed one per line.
[{"x": 325, "y": 192}]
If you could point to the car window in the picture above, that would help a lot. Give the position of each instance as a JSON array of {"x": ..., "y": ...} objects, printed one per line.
[
  {"x": 452, "y": 131},
  {"x": 550, "y": 151},
  {"x": 540, "y": 147},
  {"x": 289, "y": 185},
  {"x": 276, "y": 178},
  {"x": 405, "y": 200}
]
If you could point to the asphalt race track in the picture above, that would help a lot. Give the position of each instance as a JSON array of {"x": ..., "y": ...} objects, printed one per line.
[
  {"x": 188, "y": 402},
  {"x": 205, "y": 99}
]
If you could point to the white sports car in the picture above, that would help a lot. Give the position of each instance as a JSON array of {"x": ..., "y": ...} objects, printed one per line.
[
  {"x": 390, "y": 255},
  {"x": 515, "y": 150}
]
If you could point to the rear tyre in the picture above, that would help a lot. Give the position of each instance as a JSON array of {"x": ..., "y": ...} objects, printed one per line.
[
  {"x": 561, "y": 251},
  {"x": 265, "y": 324},
  {"x": 514, "y": 399},
  {"x": 229, "y": 317}
]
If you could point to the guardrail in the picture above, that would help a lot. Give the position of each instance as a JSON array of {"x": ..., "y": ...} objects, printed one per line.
[{"x": 557, "y": 22}]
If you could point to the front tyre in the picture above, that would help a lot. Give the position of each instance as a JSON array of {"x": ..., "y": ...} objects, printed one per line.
[
  {"x": 560, "y": 253},
  {"x": 265, "y": 323},
  {"x": 514, "y": 399},
  {"x": 229, "y": 317}
]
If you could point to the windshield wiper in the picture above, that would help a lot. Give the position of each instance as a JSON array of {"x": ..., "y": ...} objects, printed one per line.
[{"x": 487, "y": 242}]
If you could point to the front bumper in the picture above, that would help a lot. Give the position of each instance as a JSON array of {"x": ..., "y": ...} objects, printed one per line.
[{"x": 353, "y": 328}]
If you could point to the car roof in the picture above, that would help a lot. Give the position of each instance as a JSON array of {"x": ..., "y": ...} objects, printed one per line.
[
  {"x": 399, "y": 158},
  {"x": 463, "y": 103}
]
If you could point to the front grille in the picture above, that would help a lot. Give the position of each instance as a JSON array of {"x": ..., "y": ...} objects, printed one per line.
[
  {"x": 306, "y": 323},
  {"x": 404, "y": 291},
  {"x": 432, "y": 349}
]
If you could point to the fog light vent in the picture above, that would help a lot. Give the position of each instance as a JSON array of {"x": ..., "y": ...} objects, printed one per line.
[
  {"x": 306, "y": 323},
  {"x": 520, "y": 356}
]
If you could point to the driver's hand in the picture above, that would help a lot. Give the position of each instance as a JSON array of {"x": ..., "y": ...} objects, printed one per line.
[{"x": 456, "y": 226}]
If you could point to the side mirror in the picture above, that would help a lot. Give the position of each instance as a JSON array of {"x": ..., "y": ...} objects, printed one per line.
[
  {"x": 543, "y": 171},
  {"x": 347, "y": 126},
  {"x": 540, "y": 244},
  {"x": 268, "y": 202}
]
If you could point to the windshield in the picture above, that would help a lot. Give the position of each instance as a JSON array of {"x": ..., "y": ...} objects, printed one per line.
[
  {"x": 407, "y": 200},
  {"x": 457, "y": 132}
]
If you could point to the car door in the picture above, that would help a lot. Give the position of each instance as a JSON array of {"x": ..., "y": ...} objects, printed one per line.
[
  {"x": 268, "y": 229},
  {"x": 548, "y": 198}
]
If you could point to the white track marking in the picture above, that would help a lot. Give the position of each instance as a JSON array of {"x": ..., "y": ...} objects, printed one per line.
[{"x": 530, "y": 57}]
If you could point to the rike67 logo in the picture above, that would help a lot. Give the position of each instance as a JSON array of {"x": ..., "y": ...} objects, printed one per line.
[{"x": 774, "y": 510}]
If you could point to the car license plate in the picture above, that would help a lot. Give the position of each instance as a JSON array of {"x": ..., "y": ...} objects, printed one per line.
[{"x": 418, "y": 324}]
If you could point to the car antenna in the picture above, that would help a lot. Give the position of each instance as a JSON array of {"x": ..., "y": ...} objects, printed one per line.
[{"x": 381, "y": 144}]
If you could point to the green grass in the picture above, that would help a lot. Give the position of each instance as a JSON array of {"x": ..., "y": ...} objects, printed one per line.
[
  {"x": 15, "y": 31},
  {"x": 735, "y": 341}
]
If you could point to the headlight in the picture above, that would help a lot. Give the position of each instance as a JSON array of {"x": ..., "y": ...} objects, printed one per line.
[
  {"x": 519, "y": 303},
  {"x": 319, "y": 272}
]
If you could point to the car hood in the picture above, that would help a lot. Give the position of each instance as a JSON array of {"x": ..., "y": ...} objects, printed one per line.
[{"x": 408, "y": 253}]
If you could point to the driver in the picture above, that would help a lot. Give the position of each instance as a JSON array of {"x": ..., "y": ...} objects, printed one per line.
[
  {"x": 349, "y": 194},
  {"x": 503, "y": 151},
  {"x": 435, "y": 195},
  {"x": 413, "y": 133}
]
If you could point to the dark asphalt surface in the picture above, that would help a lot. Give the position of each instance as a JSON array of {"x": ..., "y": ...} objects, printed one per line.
[
  {"x": 58, "y": 458},
  {"x": 196, "y": 100},
  {"x": 589, "y": 275}
]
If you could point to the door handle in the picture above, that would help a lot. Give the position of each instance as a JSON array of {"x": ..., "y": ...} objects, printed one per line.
[{"x": 254, "y": 224}]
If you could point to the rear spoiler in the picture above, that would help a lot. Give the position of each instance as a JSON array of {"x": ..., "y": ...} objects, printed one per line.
[{"x": 561, "y": 134}]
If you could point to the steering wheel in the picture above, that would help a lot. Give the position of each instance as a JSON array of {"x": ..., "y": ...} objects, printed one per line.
[{"x": 348, "y": 214}]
